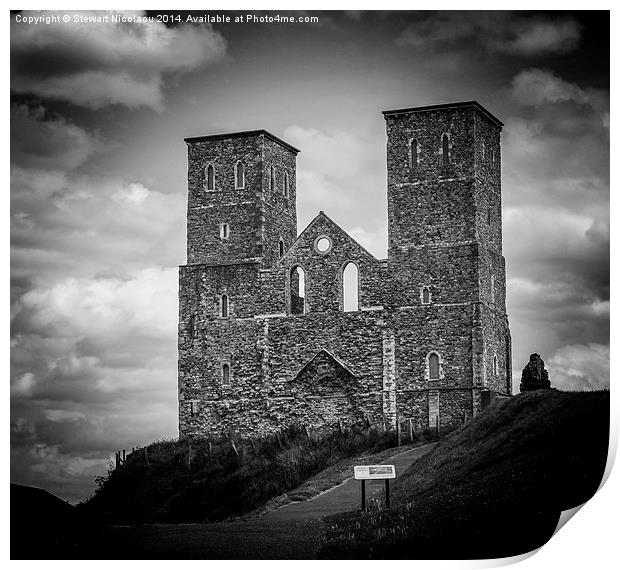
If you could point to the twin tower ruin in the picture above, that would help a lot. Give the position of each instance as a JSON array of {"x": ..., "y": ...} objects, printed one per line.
[{"x": 267, "y": 337}]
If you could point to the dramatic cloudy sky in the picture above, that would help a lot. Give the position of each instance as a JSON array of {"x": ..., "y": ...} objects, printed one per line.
[{"x": 98, "y": 167}]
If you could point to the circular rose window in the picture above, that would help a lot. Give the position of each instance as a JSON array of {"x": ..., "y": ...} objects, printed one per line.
[{"x": 322, "y": 244}]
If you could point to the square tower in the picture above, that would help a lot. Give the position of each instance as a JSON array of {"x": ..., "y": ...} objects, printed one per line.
[
  {"x": 443, "y": 174},
  {"x": 444, "y": 223},
  {"x": 241, "y": 198}
]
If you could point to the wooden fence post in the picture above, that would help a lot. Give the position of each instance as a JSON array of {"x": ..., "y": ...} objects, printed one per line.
[
  {"x": 410, "y": 430},
  {"x": 123, "y": 456},
  {"x": 438, "y": 428},
  {"x": 398, "y": 433}
]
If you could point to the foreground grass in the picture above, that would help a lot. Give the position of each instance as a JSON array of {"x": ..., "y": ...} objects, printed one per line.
[
  {"x": 204, "y": 481},
  {"x": 493, "y": 488}
]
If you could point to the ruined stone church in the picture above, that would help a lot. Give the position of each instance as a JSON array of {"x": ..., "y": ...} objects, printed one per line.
[{"x": 267, "y": 337}]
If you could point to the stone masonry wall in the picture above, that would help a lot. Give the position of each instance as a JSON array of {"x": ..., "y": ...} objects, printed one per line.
[{"x": 279, "y": 212}]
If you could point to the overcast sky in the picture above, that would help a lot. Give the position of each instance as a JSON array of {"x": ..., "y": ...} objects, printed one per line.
[{"x": 98, "y": 197}]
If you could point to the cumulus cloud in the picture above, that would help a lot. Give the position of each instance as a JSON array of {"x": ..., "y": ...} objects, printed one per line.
[
  {"x": 41, "y": 141},
  {"x": 83, "y": 223},
  {"x": 504, "y": 32},
  {"x": 374, "y": 241},
  {"x": 93, "y": 370},
  {"x": 98, "y": 307},
  {"x": 337, "y": 168},
  {"x": 94, "y": 65},
  {"x": 579, "y": 367},
  {"x": 93, "y": 306},
  {"x": 538, "y": 86},
  {"x": 97, "y": 89},
  {"x": 538, "y": 37},
  {"x": 556, "y": 215},
  {"x": 564, "y": 251}
]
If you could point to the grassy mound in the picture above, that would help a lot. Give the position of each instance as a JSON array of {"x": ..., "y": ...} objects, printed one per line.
[
  {"x": 493, "y": 488},
  {"x": 200, "y": 480}
]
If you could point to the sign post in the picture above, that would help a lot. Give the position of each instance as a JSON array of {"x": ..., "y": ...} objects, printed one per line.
[
  {"x": 363, "y": 494},
  {"x": 365, "y": 472}
]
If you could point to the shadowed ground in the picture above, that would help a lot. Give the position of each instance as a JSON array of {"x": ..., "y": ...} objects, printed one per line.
[{"x": 293, "y": 531}]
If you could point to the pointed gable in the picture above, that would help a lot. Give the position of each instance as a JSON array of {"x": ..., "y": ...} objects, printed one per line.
[
  {"x": 322, "y": 252},
  {"x": 323, "y": 226},
  {"x": 324, "y": 374}
]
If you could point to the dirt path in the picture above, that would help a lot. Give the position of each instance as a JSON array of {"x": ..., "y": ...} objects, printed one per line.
[
  {"x": 347, "y": 495},
  {"x": 293, "y": 531}
]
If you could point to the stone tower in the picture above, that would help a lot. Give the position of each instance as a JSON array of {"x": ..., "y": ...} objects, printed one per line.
[
  {"x": 445, "y": 226},
  {"x": 241, "y": 198}
]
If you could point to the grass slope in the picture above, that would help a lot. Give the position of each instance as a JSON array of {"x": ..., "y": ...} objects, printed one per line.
[
  {"x": 218, "y": 483},
  {"x": 493, "y": 488}
]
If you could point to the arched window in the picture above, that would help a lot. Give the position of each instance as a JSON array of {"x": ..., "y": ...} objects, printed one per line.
[
  {"x": 286, "y": 184},
  {"x": 272, "y": 178},
  {"x": 224, "y": 231},
  {"x": 210, "y": 177},
  {"x": 350, "y": 287},
  {"x": 225, "y": 374},
  {"x": 224, "y": 306},
  {"x": 413, "y": 154},
  {"x": 281, "y": 248},
  {"x": 297, "y": 291},
  {"x": 425, "y": 295},
  {"x": 239, "y": 175},
  {"x": 445, "y": 150},
  {"x": 495, "y": 364},
  {"x": 433, "y": 366}
]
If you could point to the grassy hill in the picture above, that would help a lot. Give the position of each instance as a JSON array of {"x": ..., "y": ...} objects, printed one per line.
[
  {"x": 493, "y": 488},
  {"x": 204, "y": 481}
]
